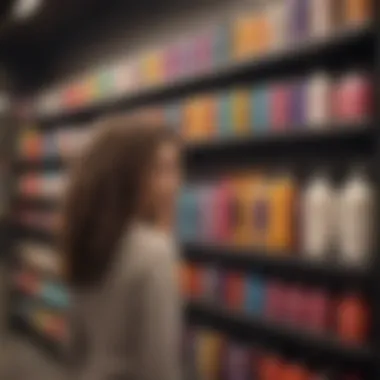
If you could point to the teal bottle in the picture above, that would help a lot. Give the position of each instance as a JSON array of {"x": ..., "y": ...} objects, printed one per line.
[{"x": 260, "y": 109}]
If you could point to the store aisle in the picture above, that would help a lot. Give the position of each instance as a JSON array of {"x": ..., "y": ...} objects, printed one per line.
[{"x": 24, "y": 361}]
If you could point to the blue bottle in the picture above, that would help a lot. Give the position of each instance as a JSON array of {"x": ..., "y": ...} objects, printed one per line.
[
  {"x": 255, "y": 295},
  {"x": 225, "y": 127},
  {"x": 260, "y": 109}
]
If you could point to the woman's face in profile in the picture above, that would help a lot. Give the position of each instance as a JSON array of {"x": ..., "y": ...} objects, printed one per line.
[{"x": 165, "y": 179}]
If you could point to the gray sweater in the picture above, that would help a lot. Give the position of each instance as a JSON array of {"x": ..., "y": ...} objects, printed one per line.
[{"x": 129, "y": 327}]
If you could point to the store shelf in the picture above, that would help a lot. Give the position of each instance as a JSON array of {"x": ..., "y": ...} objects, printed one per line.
[
  {"x": 36, "y": 202},
  {"x": 302, "y": 345},
  {"x": 298, "y": 146},
  {"x": 288, "y": 266},
  {"x": 307, "y": 55},
  {"x": 53, "y": 163},
  {"x": 47, "y": 343},
  {"x": 35, "y": 234}
]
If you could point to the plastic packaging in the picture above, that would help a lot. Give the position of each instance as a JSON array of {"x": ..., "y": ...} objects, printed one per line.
[
  {"x": 356, "y": 220},
  {"x": 318, "y": 218},
  {"x": 318, "y": 102}
]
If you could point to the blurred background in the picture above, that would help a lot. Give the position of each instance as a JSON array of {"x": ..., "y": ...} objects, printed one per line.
[{"x": 277, "y": 102}]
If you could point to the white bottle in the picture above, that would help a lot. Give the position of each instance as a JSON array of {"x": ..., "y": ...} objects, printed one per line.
[
  {"x": 321, "y": 17},
  {"x": 318, "y": 101},
  {"x": 356, "y": 220},
  {"x": 276, "y": 12},
  {"x": 318, "y": 218}
]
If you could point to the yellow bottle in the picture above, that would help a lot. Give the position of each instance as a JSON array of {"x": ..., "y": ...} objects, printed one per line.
[
  {"x": 241, "y": 111},
  {"x": 208, "y": 357}
]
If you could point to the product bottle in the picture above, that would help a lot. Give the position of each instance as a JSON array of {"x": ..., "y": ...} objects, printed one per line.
[
  {"x": 356, "y": 219},
  {"x": 357, "y": 12},
  {"x": 318, "y": 218},
  {"x": 353, "y": 98},
  {"x": 224, "y": 122},
  {"x": 318, "y": 101},
  {"x": 298, "y": 103},
  {"x": 321, "y": 17},
  {"x": 260, "y": 212},
  {"x": 280, "y": 107},
  {"x": 276, "y": 12},
  {"x": 241, "y": 122},
  {"x": 260, "y": 108},
  {"x": 282, "y": 215},
  {"x": 353, "y": 319},
  {"x": 300, "y": 22}
]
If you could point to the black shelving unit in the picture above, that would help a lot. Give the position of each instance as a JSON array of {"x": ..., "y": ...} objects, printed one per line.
[
  {"x": 312, "y": 348},
  {"x": 300, "y": 150},
  {"x": 286, "y": 266},
  {"x": 298, "y": 58}
]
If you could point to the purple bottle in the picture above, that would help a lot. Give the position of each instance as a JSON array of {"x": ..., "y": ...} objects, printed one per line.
[
  {"x": 299, "y": 19},
  {"x": 238, "y": 363},
  {"x": 210, "y": 284},
  {"x": 298, "y": 104}
]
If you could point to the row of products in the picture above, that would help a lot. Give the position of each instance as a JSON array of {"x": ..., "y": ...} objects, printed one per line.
[
  {"x": 315, "y": 102},
  {"x": 276, "y": 214},
  {"x": 299, "y": 306},
  {"x": 66, "y": 142},
  {"x": 209, "y": 355},
  {"x": 52, "y": 293},
  {"x": 48, "y": 221},
  {"x": 40, "y": 258},
  {"x": 278, "y": 25},
  {"x": 49, "y": 323},
  {"x": 49, "y": 185}
]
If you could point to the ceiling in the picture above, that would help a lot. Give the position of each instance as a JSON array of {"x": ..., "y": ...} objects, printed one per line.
[
  {"x": 27, "y": 46},
  {"x": 29, "y": 49}
]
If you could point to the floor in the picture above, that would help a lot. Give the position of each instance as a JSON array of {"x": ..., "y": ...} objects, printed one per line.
[{"x": 23, "y": 361}]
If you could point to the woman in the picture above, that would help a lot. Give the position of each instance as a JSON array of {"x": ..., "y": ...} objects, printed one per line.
[{"x": 125, "y": 316}]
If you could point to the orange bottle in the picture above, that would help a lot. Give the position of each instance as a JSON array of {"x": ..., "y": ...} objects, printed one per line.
[
  {"x": 208, "y": 356},
  {"x": 184, "y": 274},
  {"x": 191, "y": 118},
  {"x": 353, "y": 319},
  {"x": 246, "y": 35},
  {"x": 241, "y": 111},
  {"x": 357, "y": 12},
  {"x": 294, "y": 371},
  {"x": 282, "y": 214},
  {"x": 262, "y": 37},
  {"x": 271, "y": 368},
  {"x": 209, "y": 122}
]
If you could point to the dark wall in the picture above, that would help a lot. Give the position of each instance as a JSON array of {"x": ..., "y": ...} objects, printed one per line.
[{"x": 125, "y": 30}]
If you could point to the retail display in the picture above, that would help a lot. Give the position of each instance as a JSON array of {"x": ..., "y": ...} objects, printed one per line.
[
  {"x": 356, "y": 219},
  {"x": 312, "y": 205},
  {"x": 276, "y": 26},
  {"x": 277, "y": 215},
  {"x": 304, "y": 307},
  {"x": 213, "y": 356},
  {"x": 50, "y": 185}
]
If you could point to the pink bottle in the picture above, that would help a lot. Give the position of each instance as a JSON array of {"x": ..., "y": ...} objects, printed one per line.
[
  {"x": 276, "y": 301},
  {"x": 318, "y": 307},
  {"x": 353, "y": 99},
  {"x": 280, "y": 106}
]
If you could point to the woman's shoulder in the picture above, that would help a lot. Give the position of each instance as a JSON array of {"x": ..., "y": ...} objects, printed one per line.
[{"x": 146, "y": 247}]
